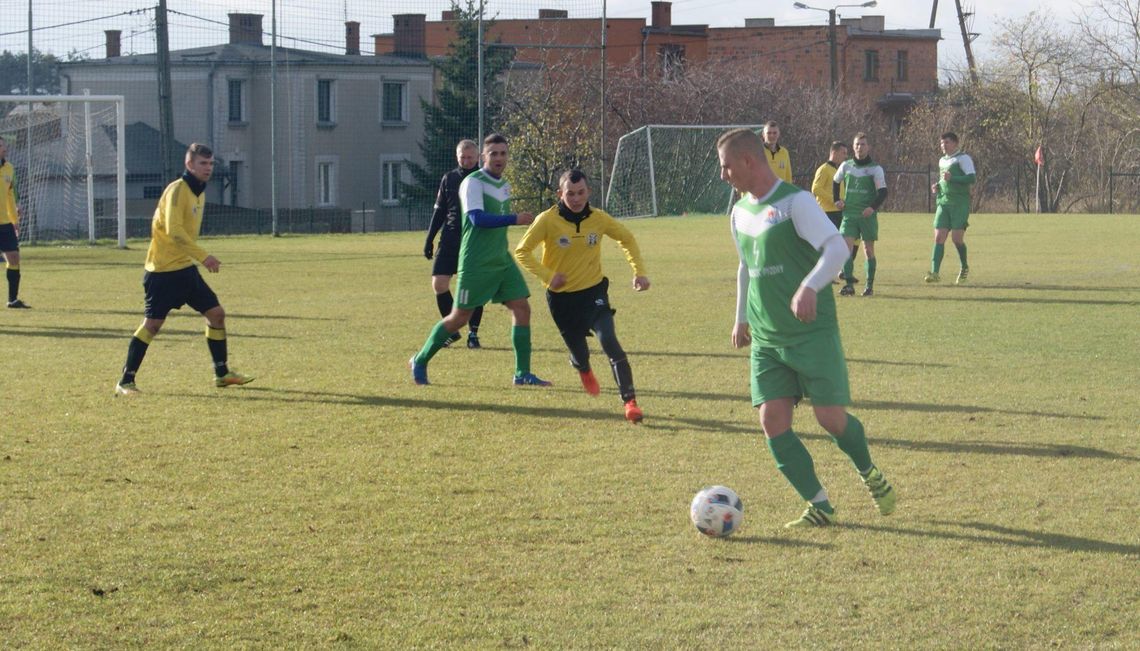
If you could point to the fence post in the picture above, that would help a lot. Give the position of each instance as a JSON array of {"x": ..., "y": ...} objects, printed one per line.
[
  {"x": 363, "y": 218},
  {"x": 1111, "y": 178},
  {"x": 929, "y": 194},
  {"x": 1017, "y": 191}
]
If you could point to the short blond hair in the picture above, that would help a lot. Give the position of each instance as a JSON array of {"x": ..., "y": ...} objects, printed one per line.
[{"x": 739, "y": 141}]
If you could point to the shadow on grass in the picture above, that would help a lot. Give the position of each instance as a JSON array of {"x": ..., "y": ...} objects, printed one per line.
[
  {"x": 993, "y": 534},
  {"x": 108, "y": 333},
  {"x": 1005, "y": 299},
  {"x": 229, "y": 315},
  {"x": 741, "y": 355},
  {"x": 778, "y": 542},
  {"x": 961, "y": 409},
  {"x": 668, "y": 423}
]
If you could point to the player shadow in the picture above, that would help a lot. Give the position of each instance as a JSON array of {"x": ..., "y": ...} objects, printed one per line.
[
  {"x": 993, "y": 534},
  {"x": 191, "y": 313},
  {"x": 1052, "y": 288},
  {"x": 1005, "y": 299},
  {"x": 962, "y": 409},
  {"x": 1000, "y": 448},
  {"x": 106, "y": 333},
  {"x": 777, "y": 542}
]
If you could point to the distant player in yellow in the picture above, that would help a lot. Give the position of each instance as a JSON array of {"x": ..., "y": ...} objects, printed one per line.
[
  {"x": 9, "y": 225},
  {"x": 171, "y": 280},
  {"x": 777, "y": 156},
  {"x": 576, "y": 291},
  {"x": 821, "y": 189}
]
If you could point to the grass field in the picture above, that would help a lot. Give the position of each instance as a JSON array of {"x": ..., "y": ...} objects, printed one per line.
[{"x": 333, "y": 504}]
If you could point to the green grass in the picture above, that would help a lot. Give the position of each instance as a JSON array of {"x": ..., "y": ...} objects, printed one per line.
[{"x": 332, "y": 504}]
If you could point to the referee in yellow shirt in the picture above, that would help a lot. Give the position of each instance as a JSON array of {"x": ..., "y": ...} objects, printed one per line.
[
  {"x": 171, "y": 280},
  {"x": 576, "y": 290},
  {"x": 777, "y": 156},
  {"x": 9, "y": 224}
]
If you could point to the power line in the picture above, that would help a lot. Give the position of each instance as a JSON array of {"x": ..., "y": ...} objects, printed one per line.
[{"x": 79, "y": 22}]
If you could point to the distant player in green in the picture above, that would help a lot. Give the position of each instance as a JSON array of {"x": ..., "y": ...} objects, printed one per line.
[
  {"x": 865, "y": 189},
  {"x": 952, "y": 215},
  {"x": 487, "y": 270},
  {"x": 570, "y": 235},
  {"x": 789, "y": 252},
  {"x": 9, "y": 225},
  {"x": 171, "y": 280}
]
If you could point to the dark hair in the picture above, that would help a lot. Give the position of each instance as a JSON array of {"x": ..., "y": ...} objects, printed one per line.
[
  {"x": 198, "y": 150},
  {"x": 950, "y": 135},
  {"x": 836, "y": 145},
  {"x": 771, "y": 123},
  {"x": 573, "y": 176},
  {"x": 495, "y": 139}
]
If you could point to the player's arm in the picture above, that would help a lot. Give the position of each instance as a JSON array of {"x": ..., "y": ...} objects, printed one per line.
[
  {"x": 617, "y": 231},
  {"x": 438, "y": 216},
  {"x": 836, "y": 180},
  {"x": 740, "y": 333},
  {"x": 819, "y": 188},
  {"x": 471, "y": 198},
  {"x": 524, "y": 250},
  {"x": 880, "y": 192},
  {"x": 968, "y": 175},
  {"x": 813, "y": 226},
  {"x": 177, "y": 208}
]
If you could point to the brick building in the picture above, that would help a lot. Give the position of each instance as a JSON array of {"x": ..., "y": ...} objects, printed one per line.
[{"x": 889, "y": 66}]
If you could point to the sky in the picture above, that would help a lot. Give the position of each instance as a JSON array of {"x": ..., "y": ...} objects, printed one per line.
[{"x": 319, "y": 24}]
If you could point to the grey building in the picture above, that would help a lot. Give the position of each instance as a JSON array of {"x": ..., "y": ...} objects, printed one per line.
[{"x": 346, "y": 123}]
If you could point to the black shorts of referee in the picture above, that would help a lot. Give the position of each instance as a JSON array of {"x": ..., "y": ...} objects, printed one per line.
[{"x": 170, "y": 290}]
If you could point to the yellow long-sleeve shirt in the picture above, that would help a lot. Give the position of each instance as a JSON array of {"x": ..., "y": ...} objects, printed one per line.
[
  {"x": 174, "y": 229},
  {"x": 821, "y": 186},
  {"x": 780, "y": 162},
  {"x": 7, "y": 193},
  {"x": 574, "y": 249}
]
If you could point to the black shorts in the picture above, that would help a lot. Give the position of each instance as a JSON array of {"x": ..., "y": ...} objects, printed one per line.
[
  {"x": 170, "y": 290},
  {"x": 575, "y": 312},
  {"x": 8, "y": 239},
  {"x": 836, "y": 217},
  {"x": 446, "y": 260}
]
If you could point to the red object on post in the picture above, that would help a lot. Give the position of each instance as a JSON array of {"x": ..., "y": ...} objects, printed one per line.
[{"x": 1039, "y": 157}]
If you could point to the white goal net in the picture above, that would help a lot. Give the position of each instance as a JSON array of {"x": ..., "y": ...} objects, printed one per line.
[
  {"x": 669, "y": 169},
  {"x": 68, "y": 152}
]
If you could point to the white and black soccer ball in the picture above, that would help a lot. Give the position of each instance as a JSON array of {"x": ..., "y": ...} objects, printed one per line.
[{"x": 717, "y": 511}]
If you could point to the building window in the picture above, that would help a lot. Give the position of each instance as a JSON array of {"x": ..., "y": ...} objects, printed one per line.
[
  {"x": 672, "y": 58},
  {"x": 871, "y": 65},
  {"x": 394, "y": 101},
  {"x": 391, "y": 174},
  {"x": 237, "y": 100},
  {"x": 326, "y": 182},
  {"x": 326, "y": 102},
  {"x": 233, "y": 183},
  {"x": 903, "y": 70}
]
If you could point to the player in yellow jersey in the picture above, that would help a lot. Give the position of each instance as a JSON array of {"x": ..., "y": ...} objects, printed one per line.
[
  {"x": 576, "y": 290},
  {"x": 9, "y": 227},
  {"x": 171, "y": 280},
  {"x": 777, "y": 156}
]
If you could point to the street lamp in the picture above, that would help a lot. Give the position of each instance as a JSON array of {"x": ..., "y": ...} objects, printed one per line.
[{"x": 831, "y": 40}]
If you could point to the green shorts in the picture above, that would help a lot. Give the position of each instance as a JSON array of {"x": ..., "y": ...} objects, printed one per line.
[
  {"x": 859, "y": 227},
  {"x": 954, "y": 217},
  {"x": 815, "y": 369},
  {"x": 477, "y": 288}
]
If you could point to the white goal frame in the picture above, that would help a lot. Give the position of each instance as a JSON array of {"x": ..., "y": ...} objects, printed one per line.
[
  {"x": 121, "y": 165},
  {"x": 652, "y": 171}
]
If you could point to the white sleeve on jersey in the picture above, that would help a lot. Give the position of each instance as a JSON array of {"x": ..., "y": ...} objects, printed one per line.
[
  {"x": 880, "y": 177},
  {"x": 966, "y": 163},
  {"x": 813, "y": 226},
  {"x": 470, "y": 195},
  {"x": 840, "y": 173},
  {"x": 742, "y": 277}
]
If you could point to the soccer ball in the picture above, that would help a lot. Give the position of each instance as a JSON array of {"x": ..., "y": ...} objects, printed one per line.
[{"x": 717, "y": 511}]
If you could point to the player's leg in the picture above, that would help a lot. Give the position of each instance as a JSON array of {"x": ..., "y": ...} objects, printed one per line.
[
  {"x": 570, "y": 312},
  {"x": 939, "y": 248},
  {"x": 473, "y": 328},
  {"x": 512, "y": 292},
  {"x": 958, "y": 236},
  {"x": 10, "y": 246},
  {"x": 163, "y": 291},
  {"x": 775, "y": 389},
  {"x": 443, "y": 267},
  {"x": 619, "y": 363},
  {"x": 136, "y": 351},
  {"x": 204, "y": 301},
  {"x": 850, "y": 232},
  {"x": 870, "y": 235}
]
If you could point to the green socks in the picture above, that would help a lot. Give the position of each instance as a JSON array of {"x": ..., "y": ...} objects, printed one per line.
[
  {"x": 520, "y": 341},
  {"x": 853, "y": 442},
  {"x": 962, "y": 254},
  {"x": 435, "y": 341},
  {"x": 870, "y": 266},
  {"x": 849, "y": 268},
  {"x": 936, "y": 257},
  {"x": 794, "y": 461}
]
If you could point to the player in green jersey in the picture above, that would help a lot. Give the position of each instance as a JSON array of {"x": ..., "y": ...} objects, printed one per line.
[
  {"x": 789, "y": 252},
  {"x": 952, "y": 214},
  {"x": 487, "y": 270},
  {"x": 864, "y": 191}
]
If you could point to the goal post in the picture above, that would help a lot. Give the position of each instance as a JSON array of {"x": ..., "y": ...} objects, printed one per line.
[
  {"x": 669, "y": 169},
  {"x": 69, "y": 152}
]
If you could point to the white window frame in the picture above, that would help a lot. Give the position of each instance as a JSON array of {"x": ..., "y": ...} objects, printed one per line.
[
  {"x": 243, "y": 101},
  {"x": 393, "y": 184},
  {"x": 332, "y": 102},
  {"x": 405, "y": 84},
  {"x": 332, "y": 162}
]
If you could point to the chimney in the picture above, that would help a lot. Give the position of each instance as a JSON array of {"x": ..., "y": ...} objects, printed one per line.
[
  {"x": 382, "y": 44},
  {"x": 759, "y": 22},
  {"x": 448, "y": 14},
  {"x": 351, "y": 37},
  {"x": 409, "y": 35},
  {"x": 662, "y": 14},
  {"x": 552, "y": 13},
  {"x": 113, "y": 42},
  {"x": 245, "y": 28},
  {"x": 873, "y": 23}
]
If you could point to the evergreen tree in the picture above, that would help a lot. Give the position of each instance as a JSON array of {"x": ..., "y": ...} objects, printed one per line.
[{"x": 455, "y": 114}]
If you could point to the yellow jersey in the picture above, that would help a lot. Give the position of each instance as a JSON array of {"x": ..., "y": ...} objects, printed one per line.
[
  {"x": 780, "y": 162},
  {"x": 174, "y": 229},
  {"x": 821, "y": 186},
  {"x": 573, "y": 248},
  {"x": 8, "y": 214}
]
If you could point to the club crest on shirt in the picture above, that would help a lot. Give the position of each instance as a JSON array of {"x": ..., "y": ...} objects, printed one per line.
[
  {"x": 563, "y": 241},
  {"x": 772, "y": 216},
  {"x": 592, "y": 239}
]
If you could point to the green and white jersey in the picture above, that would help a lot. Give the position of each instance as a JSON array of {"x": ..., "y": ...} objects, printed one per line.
[
  {"x": 484, "y": 249},
  {"x": 956, "y": 191},
  {"x": 863, "y": 182},
  {"x": 779, "y": 238}
]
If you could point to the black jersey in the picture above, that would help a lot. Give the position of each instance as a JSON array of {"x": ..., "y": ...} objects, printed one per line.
[{"x": 447, "y": 212}]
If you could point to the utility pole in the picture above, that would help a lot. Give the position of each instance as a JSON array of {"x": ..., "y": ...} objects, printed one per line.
[
  {"x": 165, "y": 102},
  {"x": 933, "y": 13},
  {"x": 966, "y": 41},
  {"x": 834, "y": 51}
]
